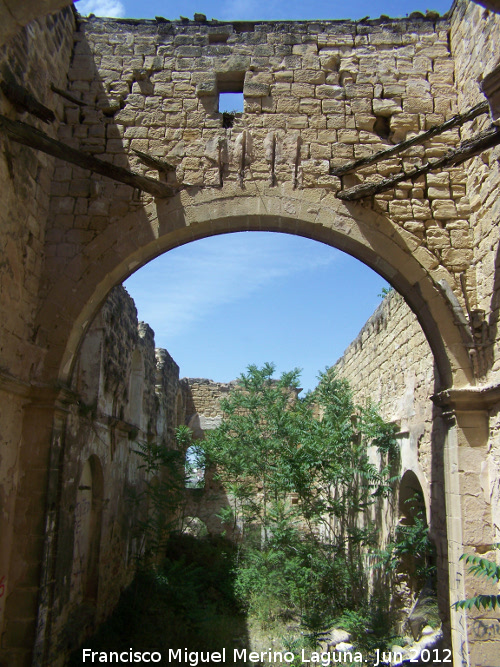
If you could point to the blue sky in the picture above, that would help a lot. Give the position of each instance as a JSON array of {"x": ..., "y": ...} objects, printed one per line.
[
  {"x": 266, "y": 10},
  {"x": 222, "y": 303}
]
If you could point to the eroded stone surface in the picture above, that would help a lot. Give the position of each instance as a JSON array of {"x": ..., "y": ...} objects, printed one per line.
[{"x": 317, "y": 95}]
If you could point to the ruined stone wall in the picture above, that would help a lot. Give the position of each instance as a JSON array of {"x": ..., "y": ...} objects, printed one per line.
[
  {"x": 124, "y": 392},
  {"x": 203, "y": 413},
  {"x": 473, "y": 25},
  {"x": 316, "y": 94},
  {"x": 474, "y": 39},
  {"x": 390, "y": 363},
  {"x": 475, "y": 49},
  {"x": 172, "y": 409},
  {"x": 37, "y": 56},
  {"x": 203, "y": 402}
]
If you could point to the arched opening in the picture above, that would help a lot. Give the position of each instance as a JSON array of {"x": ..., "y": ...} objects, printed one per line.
[
  {"x": 136, "y": 388},
  {"x": 417, "y": 568},
  {"x": 195, "y": 467},
  {"x": 362, "y": 233},
  {"x": 194, "y": 526},
  {"x": 417, "y": 287},
  {"x": 87, "y": 532}
]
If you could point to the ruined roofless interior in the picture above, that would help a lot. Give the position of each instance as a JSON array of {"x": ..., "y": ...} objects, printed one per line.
[{"x": 112, "y": 152}]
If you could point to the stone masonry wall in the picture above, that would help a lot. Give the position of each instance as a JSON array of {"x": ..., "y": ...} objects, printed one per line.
[
  {"x": 390, "y": 363},
  {"x": 316, "y": 94},
  {"x": 474, "y": 38},
  {"x": 203, "y": 413},
  {"x": 475, "y": 51},
  {"x": 37, "y": 56},
  {"x": 125, "y": 396}
]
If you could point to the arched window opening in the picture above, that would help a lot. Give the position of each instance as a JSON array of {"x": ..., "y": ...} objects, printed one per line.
[
  {"x": 194, "y": 526},
  {"x": 195, "y": 467},
  {"x": 136, "y": 388},
  {"x": 87, "y": 534},
  {"x": 179, "y": 409}
]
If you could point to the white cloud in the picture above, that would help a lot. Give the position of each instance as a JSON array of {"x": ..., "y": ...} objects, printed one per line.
[
  {"x": 111, "y": 8},
  {"x": 180, "y": 289}
]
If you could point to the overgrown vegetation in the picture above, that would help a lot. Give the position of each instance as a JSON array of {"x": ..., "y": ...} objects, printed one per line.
[
  {"x": 481, "y": 567},
  {"x": 411, "y": 547},
  {"x": 304, "y": 478},
  {"x": 301, "y": 480},
  {"x": 187, "y": 601},
  {"x": 162, "y": 498}
]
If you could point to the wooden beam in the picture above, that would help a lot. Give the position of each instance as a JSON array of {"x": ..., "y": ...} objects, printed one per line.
[
  {"x": 465, "y": 151},
  {"x": 67, "y": 96},
  {"x": 22, "y": 99},
  {"x": 154, "y": 162},
  {"x": 457, "y": 120},
  {"x": 25, "y": 134}
]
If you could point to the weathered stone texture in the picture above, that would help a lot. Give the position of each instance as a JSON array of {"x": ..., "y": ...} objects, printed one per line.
[
  {"x": 317, "y": 95},
  {"x": 474, "y": 33},
  {"x": 390, "y": 363},
  {"x": 126, "y": 395},
  {"x": 476, "y": 55},
  {"x": 37, "y": 56},
  {"x": 26, "y": 185}
]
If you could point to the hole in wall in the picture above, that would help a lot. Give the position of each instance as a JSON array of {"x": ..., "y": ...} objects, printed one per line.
[
  {"x": 218, "y": 38},
  {"x": 194, "y": 468},
  {"x": 230, "y": 104},
  {"x": 382, "y": 127}
]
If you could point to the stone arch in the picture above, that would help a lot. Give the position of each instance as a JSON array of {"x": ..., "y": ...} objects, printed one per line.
[
  {"x": 414, "y": 512},
  {"x": 136, "y": 388},
  {"x": 179, "y": 409},
  {"x": 87, "y": 533},
  {"x": 129, "y": 243},
  {"x": 195, "y": 473},
  {"x": 410, "y": 486}
]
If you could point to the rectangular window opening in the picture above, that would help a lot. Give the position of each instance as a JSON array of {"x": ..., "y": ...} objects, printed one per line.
[{"x": 231, "y": 102}]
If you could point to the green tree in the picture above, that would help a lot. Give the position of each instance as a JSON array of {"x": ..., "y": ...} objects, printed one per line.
[
  {"x": 163, "y": 498},
  {"x": 300, "y": 478}
]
